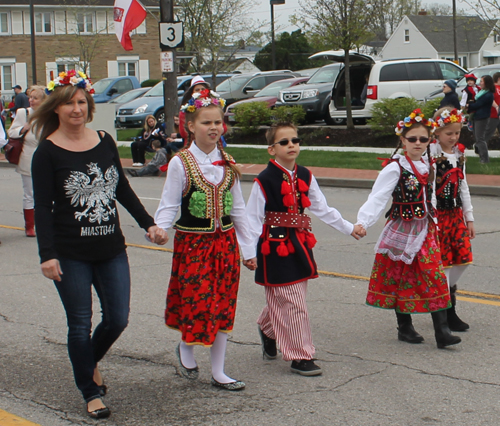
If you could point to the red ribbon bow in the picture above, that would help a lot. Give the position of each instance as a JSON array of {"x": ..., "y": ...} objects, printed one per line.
[{"x": 223, "y": 163}]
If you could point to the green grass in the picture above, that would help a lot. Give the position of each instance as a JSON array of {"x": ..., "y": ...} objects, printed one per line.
[
  {"x": 127, "y": 134},
  {"x": 343, "y": 160}
]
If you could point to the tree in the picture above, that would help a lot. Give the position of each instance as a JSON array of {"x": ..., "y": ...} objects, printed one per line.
[
  {"x": 292, "y": 52},
  {"x": 344, "y": 24},
  {"x": 214, "y": 30},
  {"x": 387, "y": 15}
]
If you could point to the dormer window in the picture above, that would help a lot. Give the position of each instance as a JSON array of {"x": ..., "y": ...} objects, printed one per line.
[{"x": 407, "y": 36}]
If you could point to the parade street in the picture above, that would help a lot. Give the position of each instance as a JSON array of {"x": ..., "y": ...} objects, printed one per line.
[{"x": 369, "y": 377}]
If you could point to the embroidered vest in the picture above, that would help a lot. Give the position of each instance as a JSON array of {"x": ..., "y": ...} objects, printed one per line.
[
  {"x": 408, "y": 198},
  {"x": 284, "y": 254},
  {"x": 448, "y": 180},
  {"x": 203, "y": 203}
]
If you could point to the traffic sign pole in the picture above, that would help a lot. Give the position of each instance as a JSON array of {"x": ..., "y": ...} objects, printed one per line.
[{"x": 170, "y": 106}]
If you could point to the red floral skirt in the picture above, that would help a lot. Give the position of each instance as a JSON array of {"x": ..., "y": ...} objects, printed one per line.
[
  {"x": 420, "y": 287},
  {"x": 454, "y": 238},
  {"x": 201, "y": 297}
]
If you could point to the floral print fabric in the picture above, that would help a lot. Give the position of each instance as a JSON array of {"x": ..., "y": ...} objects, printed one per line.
[{"x": 454, "y": 238}]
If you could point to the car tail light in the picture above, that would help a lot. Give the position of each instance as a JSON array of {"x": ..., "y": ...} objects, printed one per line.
[{"x": 371, "y": 92}]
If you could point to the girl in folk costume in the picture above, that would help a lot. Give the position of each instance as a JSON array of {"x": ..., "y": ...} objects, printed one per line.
[
  {"x": 281, "y": 232},
  {"x": 203, "y": 181},
  {"x": 407, "y": 274},
  {"x": 470, "y": 91},
  {"x": 453, "y": 204}
]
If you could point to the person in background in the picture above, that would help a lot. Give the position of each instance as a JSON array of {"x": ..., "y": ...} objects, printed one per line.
[
  {"x": 78, "y": 181},
  {"x": 494, "y": 121},
  {"x": 470, "y": 91},
  {"x": 450, "y": 95},
  {"x": 22, "y": 126},
  {"x": 9, "y": 108},
  {"x": 21, "y": 100},
  {"x": 482, "y": 112},
  {"x": 143, "y": 144},
  {"x": 153, "y": 167},
  {"x": 3, "y": 115}
]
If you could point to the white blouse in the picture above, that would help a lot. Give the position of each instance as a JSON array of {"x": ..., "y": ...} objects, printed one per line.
[
  {"x": 30, "y": 141},
  {"x": 453, "y": 158},
  {"x": 176, "y": 183},
  {"x": 257, "y": 203}
]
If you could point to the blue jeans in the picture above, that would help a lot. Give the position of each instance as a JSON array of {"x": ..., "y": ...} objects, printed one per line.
[{"x": 111, "y": 280}]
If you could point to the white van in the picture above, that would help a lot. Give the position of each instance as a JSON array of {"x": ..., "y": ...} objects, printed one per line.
[{"x": 395, "y": 78}]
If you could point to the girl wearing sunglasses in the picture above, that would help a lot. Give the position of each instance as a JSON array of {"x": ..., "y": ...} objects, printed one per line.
[
  {"x": 407, "y": 274},
  {"x": 453, "y": 204}
]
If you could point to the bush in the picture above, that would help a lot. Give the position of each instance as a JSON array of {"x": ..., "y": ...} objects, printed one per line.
[
  {"x": 431, "y": 106},
  {"x": 294, "y": 114},
  {"x": 387, "y": 112},
  {"x": 249, "y": 116},
  {"x": 150, "y": 83}
]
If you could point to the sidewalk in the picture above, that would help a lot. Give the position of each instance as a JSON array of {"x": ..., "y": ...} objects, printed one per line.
[{"x": 488, "y": 185}]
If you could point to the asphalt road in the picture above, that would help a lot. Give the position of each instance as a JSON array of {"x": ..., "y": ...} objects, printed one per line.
[{"x": 370, "y": 378}]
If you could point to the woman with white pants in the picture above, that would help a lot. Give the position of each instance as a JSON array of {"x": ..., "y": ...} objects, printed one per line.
[{"x": 19, "y": 127}]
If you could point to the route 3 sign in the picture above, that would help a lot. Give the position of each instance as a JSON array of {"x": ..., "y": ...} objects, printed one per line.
[{"x": 171, "y": 34}]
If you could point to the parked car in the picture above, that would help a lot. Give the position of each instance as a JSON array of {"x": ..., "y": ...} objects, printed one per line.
[
  {"x": 127, "y": 97},
  {"x": 478, "y": 72},
  {"x": 314, "y": 96},
  {"x": 244, "y": 86},
  {"x": 395, "y": 78},
  {"x": 133, "y": 114},
  {"x": 268, "y": 94},
  {"x": 109, "y": 88}
]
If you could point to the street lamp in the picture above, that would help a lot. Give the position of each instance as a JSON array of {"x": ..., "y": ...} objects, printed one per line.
[{"x": 273, "y": 49}]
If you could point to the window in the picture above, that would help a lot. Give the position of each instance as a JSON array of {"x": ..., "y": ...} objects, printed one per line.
[
  {"x": 4, "y": 23},
  {"x": 407, "y": 36},
  {"x": 85, "y": 23},
  {"x": 491, "y": 61},
  {"x": 450, "y": 71},
  {"x": 64, "y": 67},
  {"x": 394, "y": 72},
  {"x": 127, "y": 69},
  {"x": 6, "y": 73},
  {"x": 423, "y": 71},
  {"x": 122, "y": 86},
  {"x": 496, "y": 38},
  {"x": 43, "y": 23},
  {"x": 256, "y": 83}
]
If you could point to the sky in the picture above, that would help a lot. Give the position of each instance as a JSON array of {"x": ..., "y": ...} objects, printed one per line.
[{"x": 282, "y": 13}]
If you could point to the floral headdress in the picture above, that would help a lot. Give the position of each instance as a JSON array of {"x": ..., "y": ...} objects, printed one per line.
[
  {"x": 416, "y": 117},
  {"x": 450, "y": 117},
  {"x": 78, "y": 79},
  {"x": 203, "y": 99}
]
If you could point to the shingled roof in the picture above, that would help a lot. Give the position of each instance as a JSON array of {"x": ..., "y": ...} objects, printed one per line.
[{"x": 472, "y": 31}]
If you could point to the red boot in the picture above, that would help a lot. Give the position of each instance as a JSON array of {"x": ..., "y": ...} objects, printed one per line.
[{"x": 29, "y": 222}]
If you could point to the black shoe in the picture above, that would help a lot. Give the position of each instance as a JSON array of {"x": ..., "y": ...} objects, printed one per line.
[
  {"x": 101, "y": 413},
  {"x": 132, "y": 172},
  {"x": 454, "y": 322},
  {"x": 188, "y": 373},
  {"x": 306, "y": 367},
  {"x": 406, "y": 331},
  {"x": 442, "y": 330},
  {"x": 269, "y": 350},
  {"x": 233, "y": 386}
]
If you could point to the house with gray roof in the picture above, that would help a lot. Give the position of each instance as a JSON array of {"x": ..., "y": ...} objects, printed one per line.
[{"x": 432, "y": 37}]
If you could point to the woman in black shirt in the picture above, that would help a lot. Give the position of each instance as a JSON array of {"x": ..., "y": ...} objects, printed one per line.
[{"x": 78, "y": 178}]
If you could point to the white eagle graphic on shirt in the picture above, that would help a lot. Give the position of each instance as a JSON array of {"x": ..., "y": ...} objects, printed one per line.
[{"x": 95, "y": 195}]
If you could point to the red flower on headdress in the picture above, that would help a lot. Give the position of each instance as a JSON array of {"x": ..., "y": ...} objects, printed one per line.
[
  {"x": 461, "y": 147},
  {"x": 205, "y": 93},
  {"x": 71, "y": 73}
]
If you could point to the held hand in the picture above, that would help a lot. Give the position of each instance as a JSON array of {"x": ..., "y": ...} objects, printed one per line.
[
  {"x": 472, "y": 231},
  {"x": 157, "y": 235},
  {"x": 251, "y": 263},
  {"x": 358, "y": 232},
  {"x": 51, "y": 269},
  {"x": 173, "y": 135}
]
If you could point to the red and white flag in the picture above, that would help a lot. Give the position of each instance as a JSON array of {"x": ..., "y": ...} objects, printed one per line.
[{"x": 128, "y": 15}]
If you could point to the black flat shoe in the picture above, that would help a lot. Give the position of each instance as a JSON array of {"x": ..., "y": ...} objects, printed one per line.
[
  {"x": 100, "y": 413},
  {"x": 269, "y": 349},
  {"x": 188, "y": 373},
  {"x": 233, "y": 386}
]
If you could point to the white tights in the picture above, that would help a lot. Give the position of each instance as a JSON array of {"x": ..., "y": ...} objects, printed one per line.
[
  {"x": 454, "y": 273},
  {"x": 217, "y": 355}
]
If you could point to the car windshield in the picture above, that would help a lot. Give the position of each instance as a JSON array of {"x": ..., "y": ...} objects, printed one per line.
[
  {"x": 324, "y": 75},
  {"x": 128, "y": 96},
  {"x": 233, "y": 83},
  {"x": 273, "y": 89},
  {"x": 100, "y": 86},
  {"x": 155, "y": 91}
]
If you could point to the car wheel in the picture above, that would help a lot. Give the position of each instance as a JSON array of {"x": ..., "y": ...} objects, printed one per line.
[
  {"x": 332, "y": 121},
  {"x": 160, "y": 116}
]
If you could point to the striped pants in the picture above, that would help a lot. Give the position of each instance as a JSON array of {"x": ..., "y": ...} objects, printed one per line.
[{"x": 285, "y": 319}]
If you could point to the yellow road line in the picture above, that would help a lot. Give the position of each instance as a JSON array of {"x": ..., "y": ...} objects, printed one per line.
[
  {"x": 7, "y": 419},
  {"x": 11, "y": 227},
  {"x": 481, "y": 301}
]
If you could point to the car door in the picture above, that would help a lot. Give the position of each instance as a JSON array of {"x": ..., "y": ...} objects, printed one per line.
[
  {"x": 253, "y": 86},
  {"x": 393, "y": 82},
  {"x": 424, "y": 77}
]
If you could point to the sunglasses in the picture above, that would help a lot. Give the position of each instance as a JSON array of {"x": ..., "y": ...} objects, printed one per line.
[
  {"x": 284, "y": 142},
  {"x": 414, "y": 139}
]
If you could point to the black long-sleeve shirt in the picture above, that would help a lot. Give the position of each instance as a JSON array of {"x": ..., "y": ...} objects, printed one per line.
[{"x": 75, "y": 201}]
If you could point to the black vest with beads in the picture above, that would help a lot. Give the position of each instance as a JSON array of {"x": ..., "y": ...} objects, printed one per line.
[
  {"x": 272, "y": 269},
  {"x": 448, "y": 180},
  {"x": 408, "y": 197},
  {"x": 203, "y": 203}
]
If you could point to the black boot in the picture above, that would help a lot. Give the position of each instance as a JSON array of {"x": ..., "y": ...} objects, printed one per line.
[
  {"x": 454, "y": 322},
  {"x": 406, "y": 332},
  {"x": 442, "y": 330}
]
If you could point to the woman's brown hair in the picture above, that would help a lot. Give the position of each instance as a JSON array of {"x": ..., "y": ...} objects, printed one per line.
[
  {"x": 191, "y": 117},
  {"x": 46, "y": 121},
  {"x": 146, "y": 125}
]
